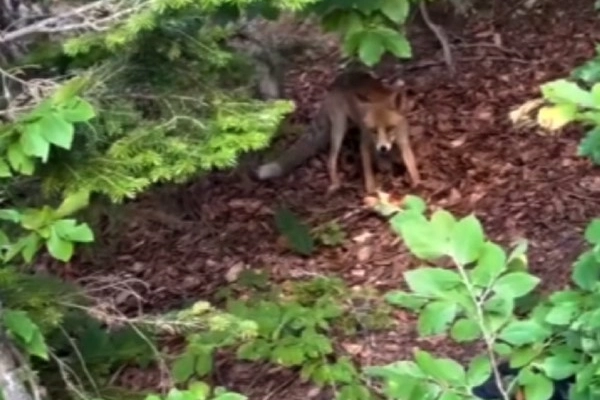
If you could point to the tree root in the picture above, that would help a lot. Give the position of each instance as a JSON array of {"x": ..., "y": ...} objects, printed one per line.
[{"x": 441, "y": 35}]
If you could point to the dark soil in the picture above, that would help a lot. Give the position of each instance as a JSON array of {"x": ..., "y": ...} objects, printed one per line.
[{"x": 183, "y": 244}]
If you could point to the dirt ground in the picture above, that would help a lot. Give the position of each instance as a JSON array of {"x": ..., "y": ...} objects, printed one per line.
[{"x": 182, "y": 244}]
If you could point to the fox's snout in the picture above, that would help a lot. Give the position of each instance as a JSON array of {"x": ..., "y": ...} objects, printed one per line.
[
  {"x": 383, "y": 144},
  {"x": 384, "y": 148}
]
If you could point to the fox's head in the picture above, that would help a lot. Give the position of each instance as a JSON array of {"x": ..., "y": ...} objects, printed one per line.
[{"x": 382, "y": 111}]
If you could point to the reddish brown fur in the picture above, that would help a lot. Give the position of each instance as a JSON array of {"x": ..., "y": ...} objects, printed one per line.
[{"x": 379, "y": 111}]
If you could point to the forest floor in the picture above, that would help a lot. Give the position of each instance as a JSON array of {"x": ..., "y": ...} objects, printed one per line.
[{"x": 519, "y": 183}]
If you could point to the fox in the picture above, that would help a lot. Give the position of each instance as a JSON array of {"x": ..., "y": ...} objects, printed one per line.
[{"x": 355, "y": 99}]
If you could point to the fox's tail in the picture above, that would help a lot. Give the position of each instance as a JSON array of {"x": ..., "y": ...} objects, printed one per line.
[{"x": 308, "y": 145}]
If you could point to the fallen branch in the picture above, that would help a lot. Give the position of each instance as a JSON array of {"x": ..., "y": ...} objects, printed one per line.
[
  {"x": 439, "y": 32},
  {"x": 98, "y": 16}
]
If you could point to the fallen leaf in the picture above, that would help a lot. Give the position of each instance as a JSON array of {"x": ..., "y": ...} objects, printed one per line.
[
  {"x": 362, "y": 237},
  {"x": 233, "y": 273},
  {"x": 364, "y": 253}
]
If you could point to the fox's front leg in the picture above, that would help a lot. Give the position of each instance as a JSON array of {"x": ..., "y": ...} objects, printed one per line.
[
  {"x": 403, "y": 142},
  {"x": 367, "y": 164},
  {"x": 338, "y": 131}
]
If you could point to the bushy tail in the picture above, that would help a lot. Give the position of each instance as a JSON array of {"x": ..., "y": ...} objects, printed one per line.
[{"x": 308, "y": 145}]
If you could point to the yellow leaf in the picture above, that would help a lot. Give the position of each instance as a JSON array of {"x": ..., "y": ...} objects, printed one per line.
[{"x": 555, "y": 117}]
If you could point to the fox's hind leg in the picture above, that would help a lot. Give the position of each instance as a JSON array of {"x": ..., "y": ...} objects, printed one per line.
[
  {"x": 339, "y": 125},
  {"x": 403, "y": 142}
]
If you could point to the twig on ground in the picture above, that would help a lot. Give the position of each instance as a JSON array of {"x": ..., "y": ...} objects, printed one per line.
[{"x": 439, "y": 32}]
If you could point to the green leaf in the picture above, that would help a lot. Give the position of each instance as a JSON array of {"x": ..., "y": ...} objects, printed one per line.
[
  {"x": 523, "y": 356},
  {"x": 371, "y": 48},
  {"x": 68, "y": 229},
  {"x": 183, "y": 367},
  {"x": 19, "y": 324},
  {"x": 4, "y": 169},
  {"x": 56, "y": 130},
  {"x": 288, "y": 356},
  {"x": 562, "y": 313},
  {"x": 395, "y": 10},
  {"x": 11, "y": 215},
  {"x": 479, "y": 371},
  {"x": 500, "y": 305},
  {"x": 200, "y": 389},
  {"x": 420, "y": 236},
  {"x": 467, "y": 240},
  {"x": 538, "y": 387},
  {"x": 33, "y": 142},
  {"x": 77, "y": 110},
  {"x": 230, "y": 396},
  {"x": 73, "y": 203},
  {"x": 586, "y": 375},
  {"x": 443, "y": 369},
  {"x": 69, "y": 90},
  {"x": 204, "y": 363},
  {"x": 516, "y": 284},
  {"x": 562, "y": 91},
  {"x": 342, "y": 21},
  {"x": 589, "y": 72},
  {"x": 59, "y": 248},
  {"x": 395, "y": 42},
  {"x": 18, "y": 160},
  {"x": 36, "y": 219},
  {"x": 559, "y": 367},
  {"x": 520, "y": 333},
  {"x": 450, "y": 396},
  {"x": 37, "y": 346},
  {"x": 152, "y": 397},
  {"x": 596, "y": 92},
  {"x": 351, "y": 42},
  {"x": 429, "y": 281},
  {"x": 491, "y": 263},
  {"x": 405, "y": 300},
  {"x": 435, "y": 317},
  {"x": 590, "y": 145},
  {"x": 175, "y": 394},
  {"x": 414, "y": 203},
  {"x": 27, "y": 246},
  {"x": 443, "y": 223},
  {"x": 592, "y": 231},
  {"x": 586, "y": 271},
  {"x": 465, "y": 330},
  {"x": 297, "y": 234}
]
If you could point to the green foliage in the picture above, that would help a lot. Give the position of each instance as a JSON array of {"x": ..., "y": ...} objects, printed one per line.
[
  {"x": 576, "y": 100},
  {"x": 292, "y": 328},
  {"x": 478, "y": 300},
  {"x": 198, "y": 391},
  {"x": 368, "y": 28},
  {"x": 28, "y": 334},
  {"x": 156, "y": 99},
  {"x": 301, "y": 238},
  {"x": 330, "y": 234}
]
